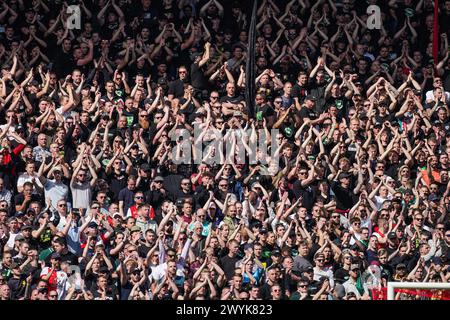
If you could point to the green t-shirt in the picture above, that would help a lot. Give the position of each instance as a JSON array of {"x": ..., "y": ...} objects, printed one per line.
[{"x": 44, "y": 254}]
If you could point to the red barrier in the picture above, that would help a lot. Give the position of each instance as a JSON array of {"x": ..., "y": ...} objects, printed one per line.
[{"x": 411, "y": 294}]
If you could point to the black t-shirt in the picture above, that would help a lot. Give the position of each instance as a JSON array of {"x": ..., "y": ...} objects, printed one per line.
[
  {"x": 392, "y": 169},
  {"x": 306, "y": 192},
  {"x": 265, "y": 291},
  {"x": 132, "y": 116},
  {"x": 111, "y": 293},
  {"x": 189, "y": 110},
  {"x": 198, "y": 79},
  {"x": 116, "y": 183},
  {"x": 176, "y": 88},
  {"x": 341, "y": 103},
  {"x": 307, "y": 113},
  {"x": 318, "y": 90},
  {"x": 90, "y": 281},
  {"x": 147, "y": 17},
  {"x": 289, "y": 283},
  {"x": 126, "y": 195},
  {"x": 344, "y": 197},
  {"x": 17, "y": 286},
  {"x": 228, "y": 265},
  {"x": 134, "y": 70},
  {"x": 387, "y": 270},
  {"x": 263, "y": 112},
  {"x": 300, "y": 92},
  {"x": 64, "y": 64},
  {"x": 155, "y": 198},
  {"x": 381, "y": 119},
  {"x": 143, "y": 249},
  {"x": 341, "y": 275},
  {"x": 125, "y": 290},
  {"x": 235, "y": 99}
]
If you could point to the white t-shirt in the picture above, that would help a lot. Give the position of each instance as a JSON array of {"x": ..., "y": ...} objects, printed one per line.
[
  {"x": 160, "y": 271},
  {"x": 379, "y": 200},
  {"x": 11, "y": 128},
  {"x": 62, "y": 223},
  {"x": 81, "y": 195},
  {"x": 350, "y": 286},
  {"x": 64, "y": 114},
  {"x": 62, "y": 283},
  {"x": 322, "y": 273},
  {"x": 25, "y": 177},
  {"x": 55, "y": 191},
  {"x": 12, "y": 238},
  {"x": 429, "y": 96}
]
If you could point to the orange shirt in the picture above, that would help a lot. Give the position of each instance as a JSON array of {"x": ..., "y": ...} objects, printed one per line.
[{"x": 435, "y": 175}]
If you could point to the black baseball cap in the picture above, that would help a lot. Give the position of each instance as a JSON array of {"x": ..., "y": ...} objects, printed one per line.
[
  {"x": 25, "y": 227},
  {"x": 392, "y": 236},
  {"x": 92, "y": 224},
  {"x": 256, "y": 224},
  {"x": 306, "y": 269},
  {"x": 276, "y": 253},
  {"x": 343, "y": 175},
  {"x": 55, "y": 255}
]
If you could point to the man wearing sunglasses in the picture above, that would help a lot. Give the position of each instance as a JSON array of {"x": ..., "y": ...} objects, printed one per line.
[
  {"x": 54, "y": 188},
  {"x": 176, "y": 87},
  {"x": 138, "y": 200},
  {"x": 127, "y": 198},
  {"x": 302, "y": 292},
  {"x": 351, "y": 284},
  {"x": 320, "y": 270},
  {"x": 156, "y": 195},
  {"x": 80, "y": 187}
]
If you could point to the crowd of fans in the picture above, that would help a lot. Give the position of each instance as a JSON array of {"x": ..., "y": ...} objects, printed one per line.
[{"x": 354, "y": 193}]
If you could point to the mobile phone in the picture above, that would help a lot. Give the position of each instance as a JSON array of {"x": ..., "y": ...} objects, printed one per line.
[{"x": 259, "y": 116}]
